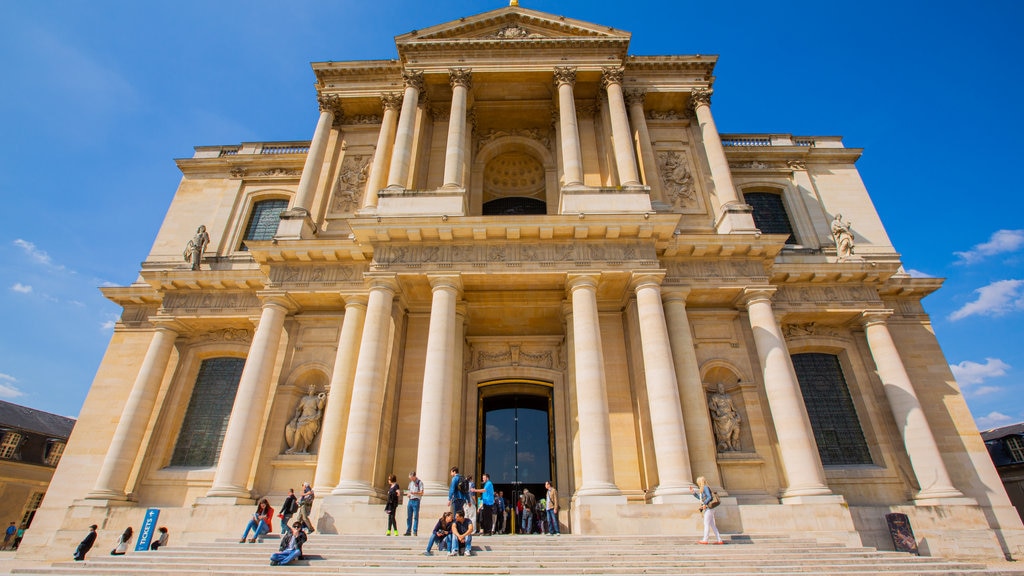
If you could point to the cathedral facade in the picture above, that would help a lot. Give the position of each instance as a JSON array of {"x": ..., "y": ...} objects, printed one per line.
[{"x": 519, "y": 250}]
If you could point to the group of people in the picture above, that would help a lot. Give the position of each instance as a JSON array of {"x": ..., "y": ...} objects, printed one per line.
[
  {"x": 293, "y": 535},
  {"x": 12, "y": 537},
  {"x": 121, "y": 544}
]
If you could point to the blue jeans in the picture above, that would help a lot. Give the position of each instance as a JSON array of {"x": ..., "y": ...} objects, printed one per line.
[
  {"x": 412, "y": 516},
  {"x": 284, "y": 523},
  {"x": 527, "y": 522},
  {"x": 455, "y": 543},
  {"x": 284, "y": 557},
  {"x": 552, "y": 521},
  {"x": 442, "y": 543},
  {"x": 259, "y": 529}
]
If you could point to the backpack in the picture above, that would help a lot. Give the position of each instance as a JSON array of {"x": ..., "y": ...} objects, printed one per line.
[
  {"x": 714, "y": 500},
  {"x": 463, "y": 486}
]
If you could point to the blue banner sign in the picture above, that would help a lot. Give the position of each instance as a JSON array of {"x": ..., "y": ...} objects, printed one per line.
[{"x": 147, "y": 529}]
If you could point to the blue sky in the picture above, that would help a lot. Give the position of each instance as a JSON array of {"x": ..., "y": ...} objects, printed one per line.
[{"x": 101, "y": 96}]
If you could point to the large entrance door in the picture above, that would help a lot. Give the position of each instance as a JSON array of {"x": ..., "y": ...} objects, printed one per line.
[{"x": 516, "y": 437}]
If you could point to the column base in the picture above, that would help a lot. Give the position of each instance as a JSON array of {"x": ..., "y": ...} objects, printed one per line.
[
  {"x": 91, "y": 501},
  {"x": 819, "y": 499},
  {"x": 674, "y": 493},
  {"x": 295, "y": 224},
  {"x": 942, "y": 496},
  {"x": 736, "y": 218},
  {"x": 354, "y": 488},
  {"x": 107, "y": 496},
  {"x": 443, "y": 202},
  {"x": 435, "y": 489},
  {"x": 598, "y": 489},
  {"x": 225, "y": 500}
]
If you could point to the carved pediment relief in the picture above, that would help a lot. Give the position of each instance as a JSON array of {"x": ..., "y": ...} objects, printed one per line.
[{"x": 512, "y": 23}]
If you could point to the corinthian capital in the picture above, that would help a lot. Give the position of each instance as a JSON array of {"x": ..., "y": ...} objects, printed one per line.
[
  {"x": 460, "y": 77},
  {"x": 330, "y": 103},
  {"x": 700, "y": 97},
  {"x": 634, "y": 96},
  {"x": 565, "y": 75},
  {"x": 413, "y": 79},
  {"x": 612, "y": 76},
  {"x": 391, "y": 100}
]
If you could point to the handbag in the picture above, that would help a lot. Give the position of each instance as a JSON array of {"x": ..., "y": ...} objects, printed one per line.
[{"x": 714, "y": 500}]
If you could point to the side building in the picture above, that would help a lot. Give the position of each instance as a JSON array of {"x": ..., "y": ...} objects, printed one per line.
[
  {"x": 1006, "y": 447},
  {"x": 521, "y": 250}
]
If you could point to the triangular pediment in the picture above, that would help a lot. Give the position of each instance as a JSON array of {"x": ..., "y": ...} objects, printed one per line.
[{"x": 513, "y": 23}]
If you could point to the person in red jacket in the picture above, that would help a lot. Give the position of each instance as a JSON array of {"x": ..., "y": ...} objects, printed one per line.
[{"x": 260, "y": 523}]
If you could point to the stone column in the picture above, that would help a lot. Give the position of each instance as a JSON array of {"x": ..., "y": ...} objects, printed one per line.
[
  {"x": 368, "y": 392},
  {"x": 797, "y": 449},
  {"x": 455, "y": 153},
  {"x": 735, "y": 214},
  {"x": 328, "y": 463},
  {"x": 124, "y": 447},
  {"x": 330, "y": 106},
  {"x": 432, "y": 455},
  {"x": 670, "y": 447},
  {"x": 925, "y": 457},
  {"x": 572, "y": 155},
  {"x": 649, "y": 164},
  {"x": 700, "y": 437},
  {"x": 591, "y": 391},
  {"x": 402, "y": 155},
  {"x": 622, "y": 139},
  {"x": 391, "y": 102},
  {"x": 242, "y": 436}
]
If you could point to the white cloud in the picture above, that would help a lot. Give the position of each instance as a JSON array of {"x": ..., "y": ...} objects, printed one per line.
[
  {"x": 968, "y": 373},
  {"x": 996, "y": 299},
  {"x": 919, "y": 274},
  {"x": 36, "y": 254},
  {"x": 993, "y": 420},
  {"x": 23, "y": 288},
  {"x": 108, "y": 325},
  {"x": 1001, "y": 241},
  {"x": 7, "y": 377},
  {"x": 10, "y": 391}
]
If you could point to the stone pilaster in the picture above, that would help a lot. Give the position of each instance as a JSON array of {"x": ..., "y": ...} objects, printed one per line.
[
  {"x": 401, "y": 157},
  {"x": 622, "y": 140},
  {"x": 376, "y": 180},
  {"x": 735, "y": 216},
  {"x": 569, "y": 133},
  {"x": 455, "y": 153}
]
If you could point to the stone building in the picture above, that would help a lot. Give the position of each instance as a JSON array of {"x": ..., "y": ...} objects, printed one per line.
[
  {"x": 520, "y": 250},
  {"x": 1006, "y": 447}
]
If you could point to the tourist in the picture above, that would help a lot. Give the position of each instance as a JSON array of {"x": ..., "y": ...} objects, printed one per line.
[
  {"x": 486, "y": 506},
  {"x": 260, "y": 522},
  {"x": 412, "y": 509},
  {"x": 551, "y": 508},
  {"x": 391, "y": 505},
  {"x": 86, "y": 544},
  {"x": 306, "y": 506},
  {"x": 440, "y": 534},
  {"x": 288, "y": 509},
  {"x": 121, "y": 546},
  {"x": 456, "y": 491},
  {"x": 529, "y": 503},
  {"x": 161, "y": 540},
  {"x": 471, "y": 503},
  {"x": 703, "y": 493},
  {"x": 462, "y": 535},
  {"x": 501, "y": 513},
  {"x": 291, "y": 546}
]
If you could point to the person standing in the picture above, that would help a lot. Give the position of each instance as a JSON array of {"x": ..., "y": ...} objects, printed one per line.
[
  {"x": 391, "y": 505},
  {"x": 703, "y": 493},
  {"x": 86, "y": 544},
  {"x": 306, "y": 506},
  {"x": 9, "y": 535},
  {"x": 288, "y": 509},
  {"x": 500, "y": 513},
  {"x": 487, "y": 505},
  {"x": 551, "y": 508},
  {"x": 529, "y": 503},
  {"x": 456, "y": 497},
  {"x": 412, "y": 509}
]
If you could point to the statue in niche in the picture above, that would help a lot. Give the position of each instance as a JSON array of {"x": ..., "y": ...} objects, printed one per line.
[
  {"x": 843, "y": 237},
  {"x": 299, "y": 433},
  {"x": 726, "y": 420},
  {"x": 196, "y": 246}
]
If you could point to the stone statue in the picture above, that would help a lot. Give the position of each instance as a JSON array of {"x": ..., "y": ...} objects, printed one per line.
[
  {"x": 196, "y": 246},
  {"x": 725, "y": 420},
  {"x": 299, "y": 433},
  {"x": 843, "y": 237}
]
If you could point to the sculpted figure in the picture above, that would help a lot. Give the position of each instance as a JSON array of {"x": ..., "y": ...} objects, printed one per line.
[
  {"x": 196, "y": 246},
  {"x": 725, "y": 420},
  {"x": 843, "y": 237},
  {"x": 299, "y": 433}
]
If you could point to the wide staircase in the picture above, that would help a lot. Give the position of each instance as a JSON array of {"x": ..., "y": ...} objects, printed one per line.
[{"x": 537, "y": 554}]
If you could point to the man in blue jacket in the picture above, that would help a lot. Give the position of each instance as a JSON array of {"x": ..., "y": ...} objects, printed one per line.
[{"x": 456, "y": 497}]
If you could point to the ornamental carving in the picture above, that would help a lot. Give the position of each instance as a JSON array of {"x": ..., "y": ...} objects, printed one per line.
[
  {"x": 440, "y": 112},
  {"x": 279, "y": 172},
  {"x": 320, "y": 275},
  {"x": 330, "y": 103},
  {"x": 796, "y": 164},
  {"x": 612, "y": 76},
  {"x": 391, "y": 100},
  {"x": 634, "y": 96},
  {"x": 565, "y": 75},
  {"x": 493, "y": 135},
  {"x": 413, "y": 79},
  {"x": 516, "y": 355},
  {"x": 666, "y": 115},
  {"x": 226, "y": 335},
  {"x": 460, "y": 77},
  {"x": 808, "y": 329},
  {"x": 676, "y": 178},
  {"x": 700, "y": 97},
  {"x": 348, "y": 190},
  {"x": 514, "y": 31},
  {"x": 707, "y": 269},
  {"x": 514, "y": 254},
  {"x": 586, "y": 110},
  {"x": 185, "y": 301},
  {"x": 364, "y": 119},
  {"x": 238, "y": 172},
  {"x": 752, "y": 165},
  {"x": 832, "y": 295}
]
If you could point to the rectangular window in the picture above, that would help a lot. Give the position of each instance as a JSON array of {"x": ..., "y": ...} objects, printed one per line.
[
  {"x": 769, "y": 214},
  {"x": 833, "y": 416},
  {"x": 206, "y": 419},
  {"x": 9, "y": 445},
  {"x": 30, "y": 509},
  {"x": 263, "y": 221},
  {"x": 54, "y": 450},
  {"x": 1015, "y": 446}
]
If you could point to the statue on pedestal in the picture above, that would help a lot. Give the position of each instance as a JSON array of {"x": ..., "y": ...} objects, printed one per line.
[
  {"x": 726, "y": 420},
  {"x": 196, "y": 246},
  {"x": 843, "y": 237},
  {"x": 303, "y": 428}
]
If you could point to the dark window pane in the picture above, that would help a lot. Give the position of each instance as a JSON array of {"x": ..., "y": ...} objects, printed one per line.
[
  {"x": 833, "y": 417},
  {"x": 206, "y": 418},
  {"x": 770, "y": 214},
  {"x": 514, "y": 206},
  {"x": 516, "y": 443},
  {"x": 263, "y": 221}
]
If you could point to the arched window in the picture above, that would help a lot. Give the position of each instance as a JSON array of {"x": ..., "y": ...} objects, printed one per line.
[
  {"x": 206, "y": 419},
  {"x": 263, "y": 221},
  {"x": 515, "y": 206},
  {"x": 770, "y": 215},
  {"x": 833, "y": 416}
]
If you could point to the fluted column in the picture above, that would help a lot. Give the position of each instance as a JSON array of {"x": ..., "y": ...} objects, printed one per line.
[
  {"x": 328, "y": 463},
  {"x": 648, "y": 163},
  {"x": 391, "y": 102},
  {"x": 625, "y": 160},
  {"x": 799, "y": 453},
  {"x": 367, "y": 392},
  {"x": 431, "y": 455},
  {"x": 402, "y": 155},
  {"x": 735, "y": 215},
  {"x": 925, "y": 457},
  {"x": 455, "y": 153},
  {"x": 330, "y": 106},
  {"x": 591, "y": 390},
  {"x": 243, "y": 431},
  {"x": 572, "y": 155},
  {"x": 700, "y": 438},
  {"x": 670, "y": 446},
  {"x": 124, "y": 447}
]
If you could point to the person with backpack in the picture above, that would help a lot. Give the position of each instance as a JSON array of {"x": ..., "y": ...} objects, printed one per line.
[
  {"x": 412, "y": 509},
  {"x": 458, "y": 491},
  {"x": 306, "y": 506},
  {"x": 708, "y": 502},
  {"x": 288, "y": 509}
]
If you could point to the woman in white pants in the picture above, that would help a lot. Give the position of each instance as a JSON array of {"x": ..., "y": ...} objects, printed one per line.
[{"x": 703, "y": 493}]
